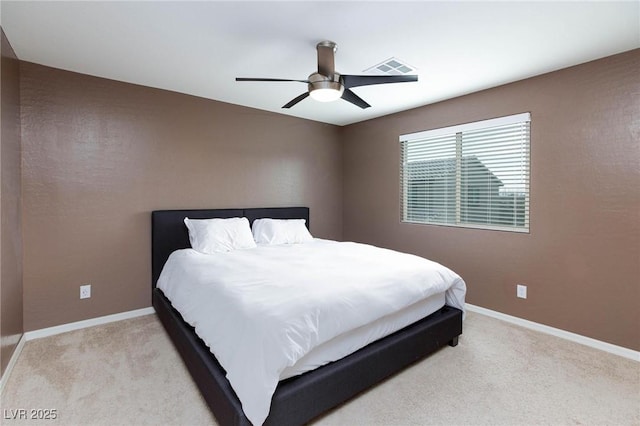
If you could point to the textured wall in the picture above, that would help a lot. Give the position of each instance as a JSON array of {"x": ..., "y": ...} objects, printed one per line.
[
  {"x": 581, "y": 260},
  {"x": 11, "y": 323},
  {"x": 100, "y": 155}
]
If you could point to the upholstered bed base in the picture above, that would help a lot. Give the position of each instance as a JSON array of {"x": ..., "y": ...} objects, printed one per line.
[{"x": 298, "y": 399}]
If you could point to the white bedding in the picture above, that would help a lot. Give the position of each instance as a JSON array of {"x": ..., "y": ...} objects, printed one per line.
[
  {"x": 262, "y": 309},
  {"x": 349, "y": 342}
]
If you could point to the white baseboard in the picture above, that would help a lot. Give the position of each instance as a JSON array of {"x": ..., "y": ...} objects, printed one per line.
[
  {"x": 577, "y": 338},
  {"x": 51, "y": 331},
  {"x": 12, "y": 363}
]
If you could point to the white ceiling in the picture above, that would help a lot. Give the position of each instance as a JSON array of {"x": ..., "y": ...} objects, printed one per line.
[{"x": 199, "y": 48}]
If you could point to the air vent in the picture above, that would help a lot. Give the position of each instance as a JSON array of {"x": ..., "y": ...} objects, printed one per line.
[{"x": 392, "y": 66}]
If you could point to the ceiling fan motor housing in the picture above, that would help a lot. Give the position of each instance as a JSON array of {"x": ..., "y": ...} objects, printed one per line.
[
  {"x": 325, "y": 88},
  {"x": 325, "y": 85}
]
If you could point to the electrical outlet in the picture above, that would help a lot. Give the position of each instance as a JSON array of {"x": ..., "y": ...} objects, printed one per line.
[
  {"x": 521, "y": 291},
  {"x": 85, "y": 291}
]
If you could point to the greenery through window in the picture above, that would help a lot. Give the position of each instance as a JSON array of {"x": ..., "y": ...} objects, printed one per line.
[{"x": 472, "y": 175}]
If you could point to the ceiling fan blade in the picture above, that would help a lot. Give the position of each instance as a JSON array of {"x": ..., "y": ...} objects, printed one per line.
[
  {"x": 366, "y": 80},
  {"x": 349, "y": 96},
  {"x": 296, "y": 100},
  {"x": 268, "y": 79}
]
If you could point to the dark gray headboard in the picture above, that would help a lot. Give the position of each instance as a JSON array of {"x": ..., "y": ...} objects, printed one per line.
[{"x": 169, "y": 233}]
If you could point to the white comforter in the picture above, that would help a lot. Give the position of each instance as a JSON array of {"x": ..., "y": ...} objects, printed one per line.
[{"x": 260, "y": 310}]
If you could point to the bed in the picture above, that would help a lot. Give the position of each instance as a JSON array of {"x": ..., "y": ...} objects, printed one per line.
[{"x": 298, "y": 399}]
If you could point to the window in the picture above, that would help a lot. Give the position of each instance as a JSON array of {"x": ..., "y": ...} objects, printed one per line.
[{"x": 472, "y": 175}]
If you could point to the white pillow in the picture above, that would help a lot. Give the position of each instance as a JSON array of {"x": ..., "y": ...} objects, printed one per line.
[
  {"x": 219, "y": 235},
  {"x": 280, "y": 231}
]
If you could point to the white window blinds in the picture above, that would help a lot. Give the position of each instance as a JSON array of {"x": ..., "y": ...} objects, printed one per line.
[{"x": 472, "y": 175}]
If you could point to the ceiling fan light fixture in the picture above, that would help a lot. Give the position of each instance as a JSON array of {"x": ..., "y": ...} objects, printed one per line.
[
  {"x": 326, "y": 91},
  {"x": 326, "y": 95}
]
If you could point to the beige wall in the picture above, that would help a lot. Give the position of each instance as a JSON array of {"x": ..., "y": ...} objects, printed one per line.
[
  {"x": 99, "y": 155},
  {"x": 581, "y": 260},
  {"x": 11, "y": 323}
]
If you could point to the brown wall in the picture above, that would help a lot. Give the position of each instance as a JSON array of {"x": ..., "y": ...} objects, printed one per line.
[
  {"x": 581, "y": 259},
  {"x": 11, "y": 323},
  {"x": 99, "y": 155}
]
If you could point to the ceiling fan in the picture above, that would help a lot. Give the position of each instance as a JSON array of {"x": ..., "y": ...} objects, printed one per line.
[{"x": 327, "y": 85}]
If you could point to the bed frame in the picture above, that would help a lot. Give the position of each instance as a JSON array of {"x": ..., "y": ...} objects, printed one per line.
[{"x": 299, "y": 399}]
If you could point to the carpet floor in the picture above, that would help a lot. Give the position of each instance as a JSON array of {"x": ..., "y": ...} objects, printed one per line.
[{"x": 128, "y": 373}]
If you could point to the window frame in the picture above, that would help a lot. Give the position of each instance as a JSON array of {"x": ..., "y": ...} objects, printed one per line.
[{"x": 456, "y": 131}]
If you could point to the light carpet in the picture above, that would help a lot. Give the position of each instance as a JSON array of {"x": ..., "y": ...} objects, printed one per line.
[{"x": 128, "y": 373}]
